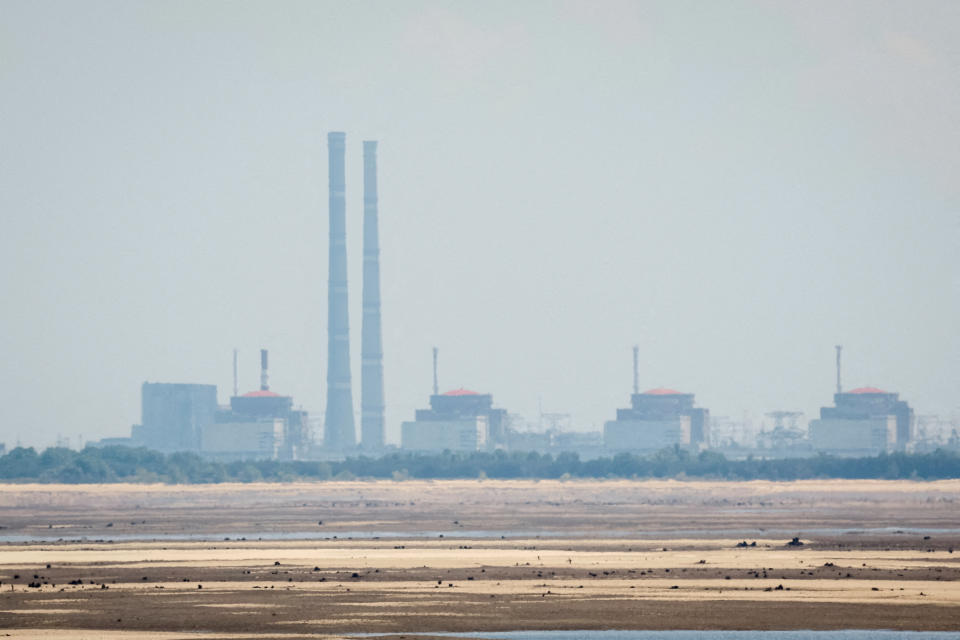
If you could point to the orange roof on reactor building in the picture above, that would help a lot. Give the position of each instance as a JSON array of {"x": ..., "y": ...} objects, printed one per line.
[{"x": 261, "y": 394}]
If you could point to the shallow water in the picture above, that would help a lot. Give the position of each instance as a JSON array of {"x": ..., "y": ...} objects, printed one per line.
[
  {"x": 288, "y": 535},
  {"x": 480, "y": 534}
]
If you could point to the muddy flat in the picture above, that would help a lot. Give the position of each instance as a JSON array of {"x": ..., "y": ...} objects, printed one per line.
[{"x": 411, "y": 557}]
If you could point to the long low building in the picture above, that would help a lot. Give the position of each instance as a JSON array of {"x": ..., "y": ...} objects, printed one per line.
[
  {"x": 467, "y": 434},
  {"x": 257, "y": 440},
  {"x": 854, "y": 436}
]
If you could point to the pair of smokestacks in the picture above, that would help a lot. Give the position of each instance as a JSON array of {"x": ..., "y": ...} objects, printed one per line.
[{"x": 339, "y": 429}]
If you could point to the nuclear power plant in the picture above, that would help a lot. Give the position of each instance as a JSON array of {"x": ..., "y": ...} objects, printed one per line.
[{"x": 264, "y": 424}]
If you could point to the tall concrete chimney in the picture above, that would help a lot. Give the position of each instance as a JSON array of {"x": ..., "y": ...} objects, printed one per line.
[
  {"x": 264, "y": 378},
  {"x": 339, "y": 431},
  {"x": 636, "y": 369},
  {"x": 372, "y": 424}
]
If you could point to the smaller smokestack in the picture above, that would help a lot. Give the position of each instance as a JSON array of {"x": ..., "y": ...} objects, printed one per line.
[
  {"x": 839, "y": 348},
  {"x": 636, "y": 369},
  {"x": 236, "y": 373},
  {"x": 264, "y": 379},
  {"x": 436, "y": 385}
]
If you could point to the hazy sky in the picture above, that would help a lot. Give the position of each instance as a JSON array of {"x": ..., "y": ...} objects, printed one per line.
[{"x": 734, "y": 186}]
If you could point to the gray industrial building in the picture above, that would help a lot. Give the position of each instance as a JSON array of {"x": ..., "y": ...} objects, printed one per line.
[
  {"x": 458, "y": 420},
  {"x": 240, "y": 439},
  {"x": 259, "y": 424},
  {"x": 864, "y": 421},
  {"x": 656, "y": 419},
  {"x": 186, "y": 417},
  {"x": 586, "y": 444},
  {"x": 173, "y": 415}
]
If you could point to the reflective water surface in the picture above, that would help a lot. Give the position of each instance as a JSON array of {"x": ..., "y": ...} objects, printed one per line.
[{"x": 479, "y": 534}]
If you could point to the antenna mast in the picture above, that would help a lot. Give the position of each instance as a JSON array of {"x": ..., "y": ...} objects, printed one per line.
[
  {"x": 839, "y": 348},
  {"x": 436, "y": 385},
  {"x": 236, "y": 372},
  {"x": 264, "y": 378}
]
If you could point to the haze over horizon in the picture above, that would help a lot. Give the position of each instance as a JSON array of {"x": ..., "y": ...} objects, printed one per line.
[{"x": 735, "y": 187}]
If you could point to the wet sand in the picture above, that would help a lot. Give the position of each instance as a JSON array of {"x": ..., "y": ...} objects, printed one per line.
[{"x": 610, "y": 555}]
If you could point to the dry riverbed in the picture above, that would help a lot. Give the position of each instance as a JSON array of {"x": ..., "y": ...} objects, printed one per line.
[{"x": 514, "y": 555}]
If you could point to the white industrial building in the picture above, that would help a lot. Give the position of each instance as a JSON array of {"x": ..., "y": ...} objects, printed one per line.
[
  {"x": 657, "y": 419},
  {"x": 854, "y": 436},
  {"x": 646, "y": 435},
  {"x": 863, "y": 422},
  {"x": 458, "y": 420},
  {"x": 465, "y": 434},
  {"x": 242, "y": 440}
]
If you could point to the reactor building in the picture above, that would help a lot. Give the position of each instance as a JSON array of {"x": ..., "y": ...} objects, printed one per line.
[
  {"x": 260, "y": 424},
  {"x": 863, "y": 422},
  {"x": 657, "y": 419},
  {"x": 458, "y": 420}
]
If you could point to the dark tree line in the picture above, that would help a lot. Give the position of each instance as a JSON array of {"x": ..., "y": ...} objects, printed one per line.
[{"x": 125, "y": 464}]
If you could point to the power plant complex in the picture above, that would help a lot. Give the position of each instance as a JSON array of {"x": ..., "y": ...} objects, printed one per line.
[
  {"x": 265, "y": 424},
  {"x": 262, "y": 423}
]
